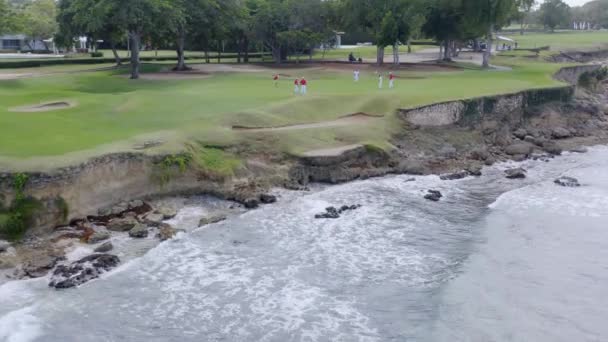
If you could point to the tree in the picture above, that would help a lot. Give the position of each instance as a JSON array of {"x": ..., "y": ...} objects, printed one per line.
[
  {"x": 524, "y": 9},
  {"x": 8, "y": 17},
  {"x": 488, "y": 15},
  {"x": 555, "y": 13},
  {"x": 136, "y": 17},
  {"x": 446, "y": 23},
  {"x": 39, "y": 20}
]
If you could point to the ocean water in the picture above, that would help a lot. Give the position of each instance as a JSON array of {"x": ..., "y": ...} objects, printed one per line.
[{"x": 495, "y": 260}]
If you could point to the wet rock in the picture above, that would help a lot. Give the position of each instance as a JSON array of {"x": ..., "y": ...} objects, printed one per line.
[
  {"x": 139, "y": 231},
  {"x": 560, "y": 133},
  {"x": 153, "y": 219},
  {"x": 121, "y": 224},
  {"x": 532, "y": 140},
  {"x": 519, "y": 157},
  {"x": 474, "y": 170},
  {"x": 479, "y": 154},
  {"x": 516, "y": 173},
  {"x": 521, "y": 148},
  {"x": 455, "y": 175},
  {"x": 267, "y": 198},
  {"x": 211, "y": 220},
  {"x": 166, "y": 232},
  {"x": 98, "y": 235},
  {"x": 520, "y": 133},
  {"x": 412, "y": 167},
  {"x": 4, "y": 246},
  {"x": 333, "y": 213},
  {"x": 83, "y": 270},
  {"x": 251, "y": 203},
  {"x": 330, "y": 213},
  {"x": 489, "y": 161},
  {"x": 135, "y": 204},
  {"x": 567, "y": 182},
  {"x": 40, "y": 266},
  {"x": 119, "y": 208},
  {"x": 552, "y": 147},
  {"x": 433, "y": 195},
  {"x": 166, "y": 212},
  {"x": 410, "y": 180},
  {"x": 579, "y": 150},
  {"x": 104, "y": 247}
]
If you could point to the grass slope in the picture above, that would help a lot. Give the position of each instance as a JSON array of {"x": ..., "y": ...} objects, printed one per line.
[
  {"x": 563, "y": 40},
  {"x": 112, "y": 109}
]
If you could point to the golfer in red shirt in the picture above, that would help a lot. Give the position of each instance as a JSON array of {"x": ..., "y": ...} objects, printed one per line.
[
  {"x": 303, "y": 86},
  {"x": 296, "y": 86},
  {"x": 391, "y": 80},
  {"x": 275, "y": 78}
]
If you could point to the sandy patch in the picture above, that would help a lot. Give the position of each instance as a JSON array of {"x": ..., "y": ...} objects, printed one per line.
[
  {"x": 7, "y": 76},
  {"x": 348, "y": 120},
  {"x": 331, "y": 152},
  {"x": 44, "y": 107}
]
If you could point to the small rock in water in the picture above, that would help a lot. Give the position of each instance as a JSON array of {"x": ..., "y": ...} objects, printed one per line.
[
  {"x": 139, "y": 231},
  {"x": 211, "y": 220},
  {"x": 83, "y": 270},
  {"x": 104, "y": 248},
  {"x": 251, "y": 203},
  {"x": 410, "y": 180},
  {"x": 474, "y": 170},
  {"x": 516, "y": 173},
  {"x": 41, "y": 266},
  {"x": 333, "y": 213},
  {"x": 166, "y": 232},
  {"x": 520, "y": 133},
  {"x": 567, "y": 182},
  {"x": 553, "y": 148},
  {"x": 433, "y": 195},
  {"x": 579, "y": 150},
  {"x": 560, "y": 133},
  {"x": 454, "y": 176},
  {"x": 267, "y": 198}
]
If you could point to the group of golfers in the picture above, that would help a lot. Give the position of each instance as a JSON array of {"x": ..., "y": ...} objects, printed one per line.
[{"x": 301, "y": 85}]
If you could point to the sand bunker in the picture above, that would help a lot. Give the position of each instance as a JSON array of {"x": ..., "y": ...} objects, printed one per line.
[
  {"x": 44, "y": 107},
  {"x": 348, "y": 120}
]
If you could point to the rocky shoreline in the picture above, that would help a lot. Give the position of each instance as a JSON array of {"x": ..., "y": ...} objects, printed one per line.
[{"x": 453, "y": 151}]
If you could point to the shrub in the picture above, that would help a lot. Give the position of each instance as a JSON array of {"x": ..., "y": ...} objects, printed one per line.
[{"x": 97, "y": 54}]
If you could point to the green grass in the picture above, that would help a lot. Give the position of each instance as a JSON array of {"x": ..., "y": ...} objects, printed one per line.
[
  {"x": 114, "y": 113},
  {"x": 563, "y": 40},
  {"x": 365, "y": 52}
]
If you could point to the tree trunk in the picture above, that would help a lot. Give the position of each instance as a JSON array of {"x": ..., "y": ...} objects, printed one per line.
[
  {"x": 409, "y": 46},
  {"x": 239, "y": 49},
  {"x": 181, "y": 57},
  {"x": 441, "y": 50},
  {"x": 396, "y": 54},
  {"x": 219, "y": 51},
  {"x": 276, "y": 54},
  {"x": 207, "y": 56},
  {"x": 115, "y": 53},
  {"x": 523, "y": 24},
  {"x": 246, "y": 43},
  {"x": 135, "y": 38},
  {"x": 446, "y": 51},
  {"x": 380, "y": 55},
  {"x": 488, "y": 53}
]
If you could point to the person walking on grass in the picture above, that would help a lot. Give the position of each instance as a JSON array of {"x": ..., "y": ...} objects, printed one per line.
[
  {"x": 296, "y": 86},
  {"x": 303, "y": 86},
  {"x": 275, "y": 79},
  {"x": 380, "y": 80},
  {"x": 391, "y": 80},
  {"x": 356, "y": 75}
]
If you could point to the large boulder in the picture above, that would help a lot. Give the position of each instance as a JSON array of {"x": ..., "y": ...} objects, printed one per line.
[
  {"x": 154, "y": 219},
  {"x": 479, "y": 154},
  {"x": 251, "y": 203},
  {"x": 139, "y": 231},
  {"x": 41, "y": 265},
  {"x": 560, "y": 133},
  {"x": 166, "y": 212},
  {"x": 520, "y": 148},
  {"x": 520, "y": 133},
  {"x": 552, "y": 148},
  {"x": 567, "y": 182},
  {"x": 83, "y": 270},
  {"x": 516, "y": 173},
  {"x": 98, "y": 235},
  {"x": 121, "y": 224}
]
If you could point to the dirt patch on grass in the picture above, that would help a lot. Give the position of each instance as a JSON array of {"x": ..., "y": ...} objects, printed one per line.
[
  {"x": 44, "y": 107},
  {"x": 174, "y": 75},
  {"x": 347, "y": 120}
]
